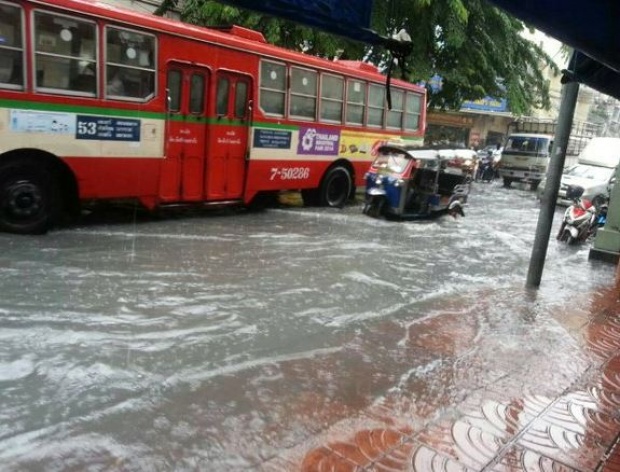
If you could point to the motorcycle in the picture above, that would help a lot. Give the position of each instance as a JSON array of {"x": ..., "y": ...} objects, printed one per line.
[
  {"x": 486, "y": 168},
  {"x": 581, "y": 219},
  {"x": 409, "y": 183}
]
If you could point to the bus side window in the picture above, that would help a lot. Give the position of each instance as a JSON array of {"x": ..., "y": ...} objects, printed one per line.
[
  {"x": 115, "y": 85},
  {"x": 65, "y": 54},
  {"x": 241, "y": 98},
  {"x": 222, "y": 96},
  {"x": 356, "y": 99},
  {"x": 332, "y": 98},
  {"x": 197, "y": 94},
  {"x": 303, "y": 93},
  {"x": 130, "y": 64},
  {"x": 395, "y": 115},
  {"x": 174, "y": 91},
  {"x": 11, "y": 47},
  {"x": 272, "y": 88},
  {"x": 376, "y": 105},
  {"x": 412, "y": 111}
]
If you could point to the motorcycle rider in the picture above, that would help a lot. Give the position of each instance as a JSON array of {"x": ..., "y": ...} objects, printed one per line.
[{"x": 485, "y": 169}]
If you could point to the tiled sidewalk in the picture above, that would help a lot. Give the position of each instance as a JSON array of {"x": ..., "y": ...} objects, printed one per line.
[{"x": 557, "y": 409}]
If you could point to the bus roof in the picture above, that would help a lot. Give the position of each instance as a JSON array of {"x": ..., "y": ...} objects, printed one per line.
[{"x": 233, "y": 37}]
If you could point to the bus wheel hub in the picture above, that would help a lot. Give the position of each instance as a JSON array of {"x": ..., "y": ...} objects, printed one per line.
[{"x": 24, "y": 198}]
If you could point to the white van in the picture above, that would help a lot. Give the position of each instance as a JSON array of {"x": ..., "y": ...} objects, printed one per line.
[{"x": 595, "y": 171}]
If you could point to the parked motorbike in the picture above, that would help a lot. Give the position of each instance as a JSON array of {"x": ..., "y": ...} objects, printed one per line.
[{"x": 582, "y": 218}]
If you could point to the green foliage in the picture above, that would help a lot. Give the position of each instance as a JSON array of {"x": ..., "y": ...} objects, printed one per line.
[{"x": 476, "y": 48}]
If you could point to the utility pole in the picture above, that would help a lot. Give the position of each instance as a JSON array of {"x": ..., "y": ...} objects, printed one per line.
[{"x": 570, "y": 91}]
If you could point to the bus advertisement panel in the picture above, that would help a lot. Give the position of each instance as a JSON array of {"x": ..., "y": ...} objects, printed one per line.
[{"x": 99, "y": 103}]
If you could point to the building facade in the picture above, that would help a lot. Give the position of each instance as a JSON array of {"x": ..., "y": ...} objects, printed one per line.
[{"x": 485, "y": 122}]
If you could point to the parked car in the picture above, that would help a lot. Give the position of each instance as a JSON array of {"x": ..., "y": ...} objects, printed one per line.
[
  {"x": 595, "y": 172},
  {"x": 596, "y": 181}
]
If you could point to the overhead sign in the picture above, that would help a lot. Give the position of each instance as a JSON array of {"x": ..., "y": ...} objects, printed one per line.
[{"x": 486, "y": 104}]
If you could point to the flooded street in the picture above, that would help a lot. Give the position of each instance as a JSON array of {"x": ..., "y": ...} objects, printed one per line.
[{"x": 216, "y": 342}]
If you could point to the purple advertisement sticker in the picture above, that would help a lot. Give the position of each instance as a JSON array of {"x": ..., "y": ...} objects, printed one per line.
[{"x": 318, "y": 141}]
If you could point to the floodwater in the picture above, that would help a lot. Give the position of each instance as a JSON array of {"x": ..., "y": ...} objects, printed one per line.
[{"x": 215, "y": 342}]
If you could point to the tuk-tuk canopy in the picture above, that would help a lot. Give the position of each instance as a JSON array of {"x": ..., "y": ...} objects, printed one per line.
[{"x": 426, "y": 153}]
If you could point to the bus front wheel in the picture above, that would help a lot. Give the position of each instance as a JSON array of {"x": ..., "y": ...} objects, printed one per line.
[
  {"x": 336, "y": 187},
  {"x": 27, "y": 198}
]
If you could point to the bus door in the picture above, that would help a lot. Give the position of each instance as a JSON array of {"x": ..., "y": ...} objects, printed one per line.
[
  {"x": 182, "y": 177},
  {"x": 227, "y": 160}
]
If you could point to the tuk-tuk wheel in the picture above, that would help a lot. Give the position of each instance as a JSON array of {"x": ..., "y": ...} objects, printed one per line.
[{"x": 374, "y": 208}]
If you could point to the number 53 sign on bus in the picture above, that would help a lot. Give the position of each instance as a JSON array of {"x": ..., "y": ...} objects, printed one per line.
[{"x": 104, "y": 128}]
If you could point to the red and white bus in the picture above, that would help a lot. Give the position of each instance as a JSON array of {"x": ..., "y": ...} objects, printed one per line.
[{"x": 100, "y": 103}]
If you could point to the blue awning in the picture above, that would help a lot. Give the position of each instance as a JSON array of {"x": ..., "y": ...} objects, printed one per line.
[
  {"x": 589, "y": 27},
  {"x": 348, "y": 18},
  {"x": 585, "y": 70}
]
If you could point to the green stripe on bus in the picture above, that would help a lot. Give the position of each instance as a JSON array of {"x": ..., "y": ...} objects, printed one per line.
[
  {"x": 279, "y": 126},
  {"x": 192, "y": 119},
  {"x": 90, "y": 110},
  {"x": 55, "y": 107}
]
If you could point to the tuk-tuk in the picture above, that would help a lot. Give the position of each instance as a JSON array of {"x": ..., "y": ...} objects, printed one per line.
[{"x": 409, "y": 183}]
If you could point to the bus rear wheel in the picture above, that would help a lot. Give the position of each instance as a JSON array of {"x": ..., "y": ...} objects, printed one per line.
[
  {"x": 507, "y": 182},
  {"x": 27, "y": 198},
  {"x": 336, "y": 187}
]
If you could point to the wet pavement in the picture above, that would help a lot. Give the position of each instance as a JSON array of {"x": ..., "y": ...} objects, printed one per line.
[
  {"x": 554, "y": 406},
  {"x": 302, "y": 339}
]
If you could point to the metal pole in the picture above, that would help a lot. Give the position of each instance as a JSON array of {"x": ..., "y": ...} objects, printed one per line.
[{"x": 554, "y": 176}]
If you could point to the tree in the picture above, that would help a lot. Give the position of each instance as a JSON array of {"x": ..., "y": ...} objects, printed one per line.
[{"x": 477, "y": 49}]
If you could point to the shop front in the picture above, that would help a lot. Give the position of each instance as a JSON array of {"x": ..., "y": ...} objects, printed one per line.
[{"x": 449, "y": 129}]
